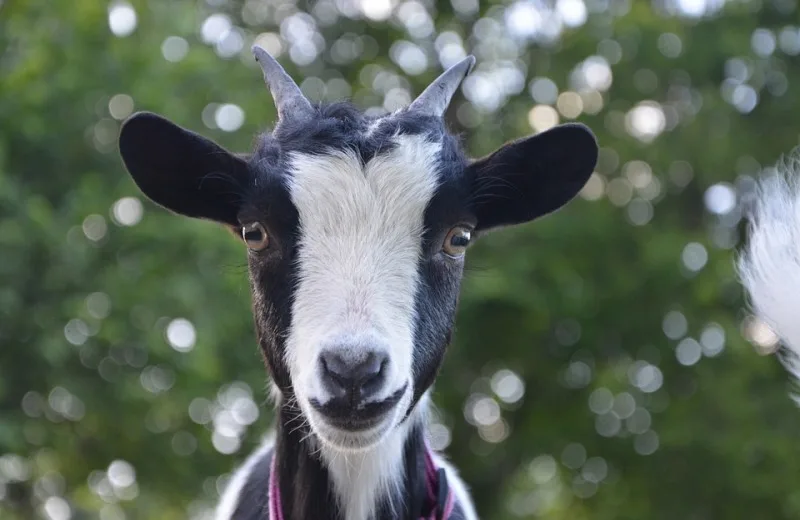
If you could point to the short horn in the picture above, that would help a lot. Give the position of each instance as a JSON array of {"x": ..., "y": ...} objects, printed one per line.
[
  {"x": 289, "y": 99},
  {"x": 435, "y": 99}
]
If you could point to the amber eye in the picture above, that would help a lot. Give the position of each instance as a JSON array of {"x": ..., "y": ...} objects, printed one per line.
[
  {"x": 456, "y": 241},
  {"x": 255, "y": 236}
]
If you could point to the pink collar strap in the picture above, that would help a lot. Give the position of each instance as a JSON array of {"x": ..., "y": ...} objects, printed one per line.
[
  {"x": 275, "y": 506},
  {"x": 439, "y": 492}
]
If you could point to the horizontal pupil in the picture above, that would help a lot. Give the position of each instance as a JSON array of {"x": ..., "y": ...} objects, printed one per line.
[
  {"x": 459, "y": 241},
  {"x": 252, "y": 236}
]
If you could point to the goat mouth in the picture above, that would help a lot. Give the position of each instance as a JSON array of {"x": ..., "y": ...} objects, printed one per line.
[{"x": 357, "y": 417}]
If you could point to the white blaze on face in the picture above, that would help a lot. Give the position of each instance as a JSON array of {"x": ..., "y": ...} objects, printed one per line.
[{"x": 360, "y": 242}]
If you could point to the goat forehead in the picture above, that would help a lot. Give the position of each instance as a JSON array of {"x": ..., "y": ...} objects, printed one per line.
[
  {"x": 383, "y": 199},
  {"x": 341, "y": 126}
]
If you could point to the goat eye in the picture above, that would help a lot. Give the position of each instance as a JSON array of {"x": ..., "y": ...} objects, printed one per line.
[
  {"x": 456, "y": 241},
  {"x": 255, "y": 236}
]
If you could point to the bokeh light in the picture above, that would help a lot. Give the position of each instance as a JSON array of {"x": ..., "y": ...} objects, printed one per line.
[{"x": 121, "y": 18}]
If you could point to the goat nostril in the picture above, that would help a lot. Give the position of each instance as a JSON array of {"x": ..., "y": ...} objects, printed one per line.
[
  {"x": 335, "y": 375},
  {"x": 374, "y": 377},
  {"x": 373, "y": 367}
]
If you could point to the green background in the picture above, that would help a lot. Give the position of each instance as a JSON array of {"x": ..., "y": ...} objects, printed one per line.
[{"x": 645, "y": 396}]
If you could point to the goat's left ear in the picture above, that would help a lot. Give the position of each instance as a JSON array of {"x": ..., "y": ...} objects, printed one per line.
[{"x": 533, "y": 176}]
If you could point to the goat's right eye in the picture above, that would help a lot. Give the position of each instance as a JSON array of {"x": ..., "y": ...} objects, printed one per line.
[{"x": 255, "y": 236}]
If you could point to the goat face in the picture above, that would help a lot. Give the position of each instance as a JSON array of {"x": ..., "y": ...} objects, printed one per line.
[{"x": 356, "y": 229}]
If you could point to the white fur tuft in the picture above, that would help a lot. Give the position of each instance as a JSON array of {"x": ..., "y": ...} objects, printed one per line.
[
  {"x": 359, "y": 478},
  {"x": 770, "y": 264}
]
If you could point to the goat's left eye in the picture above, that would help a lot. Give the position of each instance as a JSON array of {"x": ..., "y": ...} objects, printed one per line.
[
  {"x": 456, "y": 241},
  {"x": 255, "y": 236}
]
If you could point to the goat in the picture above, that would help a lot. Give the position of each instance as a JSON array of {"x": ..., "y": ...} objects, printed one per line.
[
  {"x": 769, "y": 266},
  {"x": 356, "y": 229}
]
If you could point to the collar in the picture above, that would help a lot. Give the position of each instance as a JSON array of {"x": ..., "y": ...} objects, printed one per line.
[{"x": 441, "y": 501}]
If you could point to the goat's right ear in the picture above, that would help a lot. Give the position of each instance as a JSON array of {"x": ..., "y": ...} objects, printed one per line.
[{"x": 181, "y": 170}]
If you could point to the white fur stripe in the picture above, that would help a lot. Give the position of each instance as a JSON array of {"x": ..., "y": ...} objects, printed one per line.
[{"x": 360, "y": 235}]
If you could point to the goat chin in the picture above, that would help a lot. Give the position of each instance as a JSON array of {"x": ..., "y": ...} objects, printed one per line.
[{"x": 769, "y": 265}]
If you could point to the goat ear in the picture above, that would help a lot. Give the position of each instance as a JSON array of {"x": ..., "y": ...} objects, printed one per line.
[
  {"x": 181, "y": 170},
  {"x": 533, "y": 176}
]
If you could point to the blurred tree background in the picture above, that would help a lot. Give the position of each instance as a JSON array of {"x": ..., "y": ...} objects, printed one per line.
[{"x": 604, "y": 365}]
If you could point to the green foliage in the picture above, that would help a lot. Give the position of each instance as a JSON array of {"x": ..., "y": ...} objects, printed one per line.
[{"x": 574, "y": 305}]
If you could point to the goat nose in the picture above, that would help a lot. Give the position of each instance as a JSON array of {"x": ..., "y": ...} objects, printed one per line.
[{"x": 356, "y": 379}]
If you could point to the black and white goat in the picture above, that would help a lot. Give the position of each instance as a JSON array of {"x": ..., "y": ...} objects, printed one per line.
[
  {"x": 356, "y": 229},
  {"x": 769, "y": 266}
]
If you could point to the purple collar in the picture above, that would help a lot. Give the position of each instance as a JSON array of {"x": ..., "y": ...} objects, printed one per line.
[{"x": 439, "y": 493}]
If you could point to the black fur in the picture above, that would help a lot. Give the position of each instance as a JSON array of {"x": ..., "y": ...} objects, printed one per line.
[
  {"x": 440, "y": 277},
  {"x": 192, "y": 176}
]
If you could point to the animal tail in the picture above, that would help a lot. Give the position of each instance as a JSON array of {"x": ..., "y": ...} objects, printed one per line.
[{"x": 769, "y": 265}]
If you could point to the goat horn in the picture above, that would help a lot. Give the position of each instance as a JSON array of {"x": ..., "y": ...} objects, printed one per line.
[
  {"x": 289, "y": 99},
  {"x": 435, "y": 99}
]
